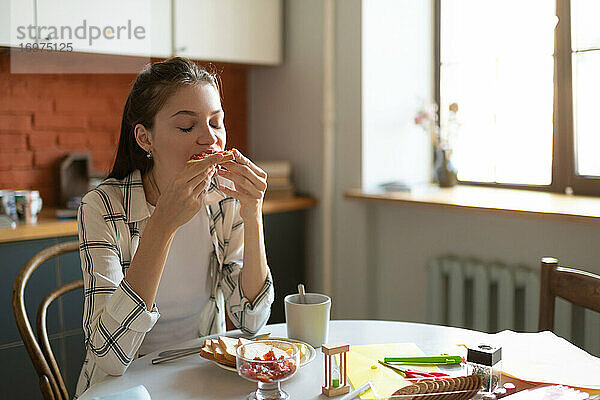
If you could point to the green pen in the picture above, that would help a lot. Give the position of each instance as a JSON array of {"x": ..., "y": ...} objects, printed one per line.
[{"x": 448, "y": 360}]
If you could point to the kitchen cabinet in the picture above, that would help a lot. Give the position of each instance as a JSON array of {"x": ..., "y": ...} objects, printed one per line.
[
  {"x": 15, "y": 17},
  {"x": 161, "y": 32},
  {"x": 248, "y": 32},
  {"x": 17, "y": 377},
  {"x": 285, "y": 244},
  {"x": 235, "y": 31},
  {"x": 133, "y": 27}
]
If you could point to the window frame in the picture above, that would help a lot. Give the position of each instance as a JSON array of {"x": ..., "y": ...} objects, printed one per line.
[{"x": 563, "y": 136}]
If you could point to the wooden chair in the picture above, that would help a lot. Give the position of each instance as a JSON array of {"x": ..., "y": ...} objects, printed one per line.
[
  {"x": 579, "y": 287},
  {"x": 40, "y": 352}
]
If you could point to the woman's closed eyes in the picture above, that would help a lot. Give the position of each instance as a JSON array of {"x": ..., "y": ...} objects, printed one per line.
[{"x": 188, "y": 130}]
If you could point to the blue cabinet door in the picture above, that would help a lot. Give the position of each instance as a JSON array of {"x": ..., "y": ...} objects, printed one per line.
[
  {"x": 17, "y": 375},
  {"x": 286, "y": 254}
]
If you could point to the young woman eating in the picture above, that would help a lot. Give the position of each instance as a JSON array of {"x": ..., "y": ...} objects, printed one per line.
[{"x": 161, "y": 233}]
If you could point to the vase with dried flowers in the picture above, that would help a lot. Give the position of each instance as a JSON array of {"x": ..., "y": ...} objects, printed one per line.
[{"x": 444, "y": 172}]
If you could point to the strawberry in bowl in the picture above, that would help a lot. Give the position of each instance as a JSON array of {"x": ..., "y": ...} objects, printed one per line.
[{"x": 268, "y": 362}]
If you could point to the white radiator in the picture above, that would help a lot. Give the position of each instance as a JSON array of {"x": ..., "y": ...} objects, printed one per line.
[{"x": 492, "y": 297}]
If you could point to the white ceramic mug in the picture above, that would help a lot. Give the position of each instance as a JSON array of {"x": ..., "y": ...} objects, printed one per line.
[
  {"x": 28, "y": 204},
  {"x": 308, "y": 322}
]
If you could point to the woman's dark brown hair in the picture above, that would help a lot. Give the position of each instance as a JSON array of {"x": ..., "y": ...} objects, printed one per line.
[{"x": 150, "y": 91}]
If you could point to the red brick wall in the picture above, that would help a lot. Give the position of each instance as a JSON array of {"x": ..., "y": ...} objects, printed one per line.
[{"x": 45, "y": 116}]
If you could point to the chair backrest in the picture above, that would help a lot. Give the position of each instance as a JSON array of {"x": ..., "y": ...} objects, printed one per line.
[
  {"x": 40, "y": 352},
  {"x": 578, "y": 287}
]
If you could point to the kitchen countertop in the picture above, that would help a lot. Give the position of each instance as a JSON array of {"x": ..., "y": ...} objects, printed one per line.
[{"x": 49, "y": 226}]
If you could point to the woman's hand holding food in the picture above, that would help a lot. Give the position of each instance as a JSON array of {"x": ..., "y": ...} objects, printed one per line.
[
  {"x": 182, "y": 198},
  {"x": 250, "y": 185}
]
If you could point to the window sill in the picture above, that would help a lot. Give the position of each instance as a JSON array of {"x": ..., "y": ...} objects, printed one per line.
[{"x": 527, "y": 203}]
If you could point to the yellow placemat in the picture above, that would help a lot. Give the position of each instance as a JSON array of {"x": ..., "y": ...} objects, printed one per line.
[{"x": 385, "y": 381}]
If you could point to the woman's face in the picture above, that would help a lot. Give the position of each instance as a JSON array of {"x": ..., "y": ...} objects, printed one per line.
[{"x": 190, "y": 122}]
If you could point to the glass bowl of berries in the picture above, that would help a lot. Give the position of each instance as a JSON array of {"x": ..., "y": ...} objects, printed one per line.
[{"x": 268, "y": 363}]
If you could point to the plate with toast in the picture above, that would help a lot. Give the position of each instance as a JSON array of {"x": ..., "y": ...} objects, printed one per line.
[{"x": 222, "y": 350}]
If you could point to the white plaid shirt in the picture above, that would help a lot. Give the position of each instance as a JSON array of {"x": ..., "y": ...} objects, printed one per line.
[{"x": 115, "y": 318}]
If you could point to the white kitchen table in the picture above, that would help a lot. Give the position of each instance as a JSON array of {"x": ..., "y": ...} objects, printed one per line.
[{"x": 196, "y": 378}]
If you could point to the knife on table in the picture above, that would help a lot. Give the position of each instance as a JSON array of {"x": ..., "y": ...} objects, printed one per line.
[{"x": 170, "y": 355}]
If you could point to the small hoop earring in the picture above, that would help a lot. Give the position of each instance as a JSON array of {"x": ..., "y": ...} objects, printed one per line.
[{"x": 149, "y": 155}]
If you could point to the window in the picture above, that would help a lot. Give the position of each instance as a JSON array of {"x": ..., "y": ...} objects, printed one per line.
[
  {"x": 524, "y": 120},
  {"x": 585, "y": 33}
]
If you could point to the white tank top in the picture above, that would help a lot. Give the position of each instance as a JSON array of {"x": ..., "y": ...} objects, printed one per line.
[{"x": 184, "y": 287}]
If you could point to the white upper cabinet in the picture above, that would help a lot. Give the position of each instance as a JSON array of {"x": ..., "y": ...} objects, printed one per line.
[
  {"x": 16, "y": 17},
  {"x": 161, "y": 32},
  {"x": 237, "y": 31},
  {"x": 132, "y": 27}
]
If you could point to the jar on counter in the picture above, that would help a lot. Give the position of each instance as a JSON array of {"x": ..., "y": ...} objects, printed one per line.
[{"x": 486, "y": 361}]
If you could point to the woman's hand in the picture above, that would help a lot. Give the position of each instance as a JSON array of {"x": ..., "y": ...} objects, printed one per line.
[
  {"x": 250, "y": 185},
  {"x": 182, "y": 198}
]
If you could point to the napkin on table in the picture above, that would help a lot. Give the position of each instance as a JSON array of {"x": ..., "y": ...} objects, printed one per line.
[
  {"x": 135, "y": 393},
  {"x": 545, "y": 358}
]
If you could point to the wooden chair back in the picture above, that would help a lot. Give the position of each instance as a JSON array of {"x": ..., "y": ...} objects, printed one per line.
[
  {"x": 578, "y": 287},
  {"x": 40, "y": 352}
]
